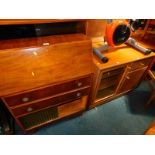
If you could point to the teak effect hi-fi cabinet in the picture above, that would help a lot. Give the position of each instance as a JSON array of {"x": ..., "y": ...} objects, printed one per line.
[{"x": 123, "y": 72}]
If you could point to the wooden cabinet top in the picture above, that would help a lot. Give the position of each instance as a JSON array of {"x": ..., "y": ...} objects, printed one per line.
[
  {"x": 43, "y": 41},
  {"x": 120, "y": 55},
  {"x": 31, "y": 63},
  {"x": 35, "y": 21}
]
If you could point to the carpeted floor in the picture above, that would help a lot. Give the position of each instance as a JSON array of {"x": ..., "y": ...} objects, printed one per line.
[{"x": 125, "y": 115}]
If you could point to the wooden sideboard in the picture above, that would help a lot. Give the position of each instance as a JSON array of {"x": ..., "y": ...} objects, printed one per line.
[{"x": 123, "y": 72}]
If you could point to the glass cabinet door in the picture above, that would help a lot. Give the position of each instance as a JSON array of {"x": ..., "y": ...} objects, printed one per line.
[{"x": 109, "y": 82}]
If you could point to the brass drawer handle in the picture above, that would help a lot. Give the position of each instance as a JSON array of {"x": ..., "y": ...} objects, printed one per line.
[
  {"x": 25, "y": 99},
  {"x": 79, "y": 84},
  {"x": 142, "y": 64},
  {"x": 128, "y": 77},
  {"x": 78, "y": 94},
  {"x": 29, "y": 109}
]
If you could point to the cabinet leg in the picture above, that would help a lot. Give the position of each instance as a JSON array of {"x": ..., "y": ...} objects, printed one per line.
[{"x": 149, "y": 101}]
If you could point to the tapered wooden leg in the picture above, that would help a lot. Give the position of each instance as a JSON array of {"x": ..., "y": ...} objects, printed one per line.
[{"x": 150, "y": 100}]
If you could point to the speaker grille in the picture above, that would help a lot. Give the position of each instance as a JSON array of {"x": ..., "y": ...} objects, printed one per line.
[{"x": 38, "y": 118}]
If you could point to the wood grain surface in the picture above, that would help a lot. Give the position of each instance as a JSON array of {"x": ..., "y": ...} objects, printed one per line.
[{"x": 42, "y": 61}]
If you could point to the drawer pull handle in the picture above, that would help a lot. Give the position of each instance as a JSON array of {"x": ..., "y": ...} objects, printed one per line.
[
  {"x": 25, "y": 99},
  {"x": 129, "y": 67},
  {"x": 142, "y": 64},
  {"x": 128, "y": 77},
  {"x": 79, "y": 84},
  {"x": 29, "y": 109},
  {"x": 78, "y": 94}
]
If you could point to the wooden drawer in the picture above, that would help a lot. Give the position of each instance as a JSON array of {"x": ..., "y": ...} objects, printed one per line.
[
  {"x": 47, "y": 91},
  {"x": 53, "y": 101},
  {"x": 139, "y": 64},
  {"x": 51, "y": 114},
  {"x": 112, "y": 73}
]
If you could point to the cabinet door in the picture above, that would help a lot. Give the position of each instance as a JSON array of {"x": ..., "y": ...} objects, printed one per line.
[
  {"x": 131, "y": 80},
  {"x": 108, "y": 83}
]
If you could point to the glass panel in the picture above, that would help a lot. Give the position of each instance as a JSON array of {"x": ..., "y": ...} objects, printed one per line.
[
  {"x": 109, "y": 82},
  {"x": 105, "y": 92}
]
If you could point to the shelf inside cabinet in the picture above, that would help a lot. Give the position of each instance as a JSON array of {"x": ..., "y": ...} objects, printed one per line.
[
  {"x": 105, "y": 83},
  {"x": 105, "y": 92}
]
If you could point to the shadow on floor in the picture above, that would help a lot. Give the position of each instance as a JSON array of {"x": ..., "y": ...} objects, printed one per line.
[{"x": 136, "y": 101}]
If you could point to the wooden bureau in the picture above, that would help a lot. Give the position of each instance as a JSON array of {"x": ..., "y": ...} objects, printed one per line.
[{"x": 45, "y": 79}]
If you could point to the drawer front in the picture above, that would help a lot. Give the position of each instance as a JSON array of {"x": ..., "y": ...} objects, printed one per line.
[
  {"x": 38, "y": 119},
  {"x": 26, "y": 109},
  {"x": 45, "y": 92},
  {"x": 139, "y": 64},
  {"x": 112, "y": 73}
]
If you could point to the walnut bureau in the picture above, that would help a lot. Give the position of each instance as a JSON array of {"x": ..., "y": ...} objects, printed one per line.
[{"x": 45, "y": 79}]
